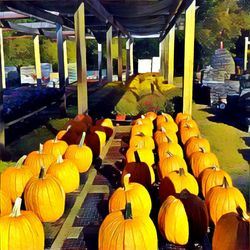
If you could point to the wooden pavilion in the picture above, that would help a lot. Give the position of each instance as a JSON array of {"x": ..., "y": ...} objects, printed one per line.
[{"x": 102, "y": 19}]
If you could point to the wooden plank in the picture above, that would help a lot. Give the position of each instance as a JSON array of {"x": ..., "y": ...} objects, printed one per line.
[
  {"x": 119, "y": 57},
  {"x": 131, "y": 58},
  {"x": 65, "y": 57},
  {"x": 60, "y": 55},
  {"x": 11, "y": 15},
  {"x": 27, "y": 9},
  {"x": 99, "y": 48},
  {"x": 37, "y": 60},
  {"x": 82, "y": 94},
  {"x": 127, "y": 59},
  {"x": 171, "y": 39},
  {"x": 189, "y": 57},
  {"x": 109, "y": 54},
  {"x": 245, "y": 52}
]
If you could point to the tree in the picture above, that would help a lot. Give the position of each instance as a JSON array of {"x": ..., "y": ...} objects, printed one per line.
[{"x": 220, "y": 20}]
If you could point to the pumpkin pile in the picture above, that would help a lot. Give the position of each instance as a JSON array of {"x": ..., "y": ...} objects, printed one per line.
[
  {"x": 195, "y": 195},
  {"x": 44, "y": 177}
]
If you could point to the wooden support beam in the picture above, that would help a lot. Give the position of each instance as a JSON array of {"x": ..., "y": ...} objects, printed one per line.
[
  {"x": 247, "y": 43},
  {"x": 109, "y": 54},
  {"x": 171, "y": 39},
  {"x": 164, "y": 58},
  {"x": 82, "y": 93},
  {"x": 60, "y": 56},
  {"x": 65, "y": 57},
  {"x": 189, "y": 56},
  {"x": 99, "y": 48},
  {"x": 131, "y": 58},
  {"x": 95, "y": 7},
  {"x": 27, "y": 9},
  {"x": 2, "y": 86},
  {"x": 119, "y": 57},
  {"x": 37, "y": 60},
  {"x": 127, "y": 59}
]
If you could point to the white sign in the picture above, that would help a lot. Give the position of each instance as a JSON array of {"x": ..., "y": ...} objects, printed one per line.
[
  {"x": 144, "y": 65},
  {"x": 156, "y": 64}
]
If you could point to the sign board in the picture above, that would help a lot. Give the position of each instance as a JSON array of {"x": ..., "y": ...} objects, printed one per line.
[
  {"x": 144, "y": 65},
  {"x": 28, "y": 74},
  {"x": 156, "y": 64},
  {"x": 46, "y": 70}
]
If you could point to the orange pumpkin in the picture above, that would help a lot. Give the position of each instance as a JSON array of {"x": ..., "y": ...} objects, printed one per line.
[
  {"x": 107, "y": 124},
  {"x": 36, "y": 159},
  {"x": 211, "y": 177},
  {"x": 151, "y": 115},
  {"x": 187, "y": 123},
  {"x": 170, "y": 164},
  {"x": 5, "y": 203},
  {"x": 141, "y": 129},
  {"x": 140, "y": 172},
  {"x": 144, "y": 121},
  {"x": 141, "y": 140},
  {"x": 21, "y": 230},
  {"x": 223, "y": 199},
  {"x": 163, "y": 135},
  {"x": 55, "y": 147},
  {"x": 168, "y": 126},
  {"x": 187, "y": 133},
  {"x": 194, "y": 144},
  {"x": 146, "y": 155},
  {"x": 124, "y": 231},
  {"x": 66, "y": 172},
  {"x": 131, "y": 192},
  {"x": 165, "y": 149},
  {"x": 15, "y": 178},
  {"x": 202, "y": 160},
  {"x": 45, "y": 197},
  {"x": 173, "y": 221},
  {"x": 164, "y": 117},
  {"x": 175, "y": 182},
  {"x": 61, "y": 133},
  {"x": 100, "y": 131},
  {"x": 233, "y": 228},
  {"x": 81, "y": 155},
  {"x": 182, "y": 116}
]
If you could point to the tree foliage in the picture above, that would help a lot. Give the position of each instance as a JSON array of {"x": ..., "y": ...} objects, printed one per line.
[{"x": 221, "y": 20}]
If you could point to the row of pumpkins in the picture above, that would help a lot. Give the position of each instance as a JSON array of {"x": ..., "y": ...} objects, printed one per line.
[
  {"x": 183, "y": 217},
  {"x": 43, "y": 178}
]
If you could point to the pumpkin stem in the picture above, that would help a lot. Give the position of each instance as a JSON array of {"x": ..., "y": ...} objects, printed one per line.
[
  {"x": 16, "y": 211},
  {"x": 139, "y": 122},
  {"x": 214, "y": 167},
  {"x": 20, "y": 161},
  {"x": 143, "y": 116},
  {"x": 82, "y": 140},
  {"x": 225, "y": 183},
  {"x": 59, "y": 159},
  {"x": 169, "y": 153},
  {"x": 163, "y": 130},
  {"x": 140, "y": 145},
  {"x": 202, "y": 150},
  {"x": 169, "y": 140},
  {"x": 126, "y": 181},
  {"x": 181, "y": 171},
  {"x": 140, "y": 134},
  {"x": 42, "y": 173},
  {"x": 68, "y": 128},
  {"x": 137, "y": 157},
  {"x": 40, "y": 148},
  {"x": 128, "y": 211},
  {"x": 55, "y": 140},
  {"x": 242, "y": 214}
]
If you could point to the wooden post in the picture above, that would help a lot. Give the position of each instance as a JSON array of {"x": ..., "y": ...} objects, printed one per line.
[
  {"x": 99, "y": 48},
  {"x": 65, "y": 58},
  {"x": 161, "y": 59},
  {"x": 3, "y": 79},
  {"x": 109, "y": 54},
  {"x": 127, "y": 59},
  {"x": 2, "y": 86},
  {"x": 245, "y": 53},
  {"x": 82, "y": 91},
  {"x": 119, "y": 57},
  {"x": 189, "y": 56},
  {"x": 164, "y": 58},
  {"x": 61, "y": 72},
  {"x": 37, "y": 60},
  {"x": 171, "y": 40},
  {"x": 131, "y": 57}
]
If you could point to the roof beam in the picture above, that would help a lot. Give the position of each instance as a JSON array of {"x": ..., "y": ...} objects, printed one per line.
[
  {"x": 27, "y": 9},
  {"x": 11, "y": 15},
  {"x": 100, "y": 12}
]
